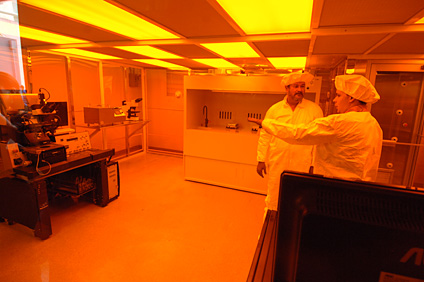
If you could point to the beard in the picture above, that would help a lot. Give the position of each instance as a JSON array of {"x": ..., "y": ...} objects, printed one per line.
[{"x": 298, "y": 96}]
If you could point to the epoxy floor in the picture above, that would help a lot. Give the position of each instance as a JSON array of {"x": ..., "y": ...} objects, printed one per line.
[{"x": 161, "y": 228}]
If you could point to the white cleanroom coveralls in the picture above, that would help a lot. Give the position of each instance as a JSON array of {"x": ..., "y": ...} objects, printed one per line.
[
  {"x": 348, "y": 144},
  {"x": 280, "y": 155}
]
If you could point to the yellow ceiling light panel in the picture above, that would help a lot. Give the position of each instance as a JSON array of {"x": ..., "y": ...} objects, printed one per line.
[
  {"x": 149, "y": 51},
  {"x": 160, "y": 63},
  {"x": 270, "y": 16},
  {"x": 104, "y": 15},
  {"x": 216, "y": 63},
  {"x": 288, "y": 62},
  {"x": 232, "y": 49},
  {"x": 84, "y": 53},
  {"x": 41, "y": 35}
]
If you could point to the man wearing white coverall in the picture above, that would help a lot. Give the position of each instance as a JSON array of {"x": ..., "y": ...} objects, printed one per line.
[
  {"x": 349, "y": 143},
  {"x": 276, "y": 154}
]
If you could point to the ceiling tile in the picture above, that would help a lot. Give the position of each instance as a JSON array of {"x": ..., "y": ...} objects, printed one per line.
[
  {"x": 288, "y": 48},
  {"x": 188, "y": 63},
  {"x": 188, "y": 51},
  {"x": 49, "y": 22},
  {"x": 115, "y": 52},
  {"x": 324, "y": 61},
  {"x": 31, "y": 43},
  {"x": 189, "y": 18},
  {"x": 405, "y": 43},
  {"x": 364, "y": 12},
  {"x": 250, "y": 62},
  {"x": 346, "y": 44}
]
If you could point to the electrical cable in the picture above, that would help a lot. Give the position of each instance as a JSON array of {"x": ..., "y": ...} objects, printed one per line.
[
  {"x": 39, "y": 90},
  {"x": 38, "y": 170}
]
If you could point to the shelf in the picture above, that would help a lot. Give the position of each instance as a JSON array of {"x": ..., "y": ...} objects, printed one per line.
[
  {"x": 103, "y": 128},
  {"x": 124, "y": 123},
  {"x": 225, "y": 130}
]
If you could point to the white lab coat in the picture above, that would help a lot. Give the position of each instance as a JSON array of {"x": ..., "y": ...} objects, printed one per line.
[
  {"x": 280, "y": 155},
  {"x": 348, "y": 145}
]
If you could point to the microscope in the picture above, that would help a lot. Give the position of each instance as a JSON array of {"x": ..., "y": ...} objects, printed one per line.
[
  {"x": 130, "y": 109},
  {"x": 30, "y": 122}
]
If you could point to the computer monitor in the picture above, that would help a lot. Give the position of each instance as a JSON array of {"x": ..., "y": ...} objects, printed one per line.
[{"x": 336, "y": 230}]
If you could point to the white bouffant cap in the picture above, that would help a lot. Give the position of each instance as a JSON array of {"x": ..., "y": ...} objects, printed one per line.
[
  {"x": 296, "y": 77},
  {"x": 357, "y": 87}
]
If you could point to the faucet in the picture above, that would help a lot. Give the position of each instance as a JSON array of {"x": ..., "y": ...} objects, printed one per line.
[{"x": 205, "y": 110}]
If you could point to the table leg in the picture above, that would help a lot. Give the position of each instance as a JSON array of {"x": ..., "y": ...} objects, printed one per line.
[{"x": 43, "y": 228}]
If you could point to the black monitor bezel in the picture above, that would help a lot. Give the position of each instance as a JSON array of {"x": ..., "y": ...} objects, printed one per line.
[{"x": 297, "y": 198}]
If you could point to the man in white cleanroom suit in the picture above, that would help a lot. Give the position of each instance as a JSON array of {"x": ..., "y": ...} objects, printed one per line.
[
  {"x": 276, "y": 154},
  {"x": 349, "y": 143}
]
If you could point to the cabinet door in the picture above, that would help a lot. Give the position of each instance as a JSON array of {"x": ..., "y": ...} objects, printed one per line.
[{"x": 223, "y": 173}]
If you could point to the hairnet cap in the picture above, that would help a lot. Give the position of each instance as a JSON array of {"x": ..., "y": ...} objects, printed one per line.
[
  {"x": 358, "y": 87},
  {"x": 296, "y": 77}
]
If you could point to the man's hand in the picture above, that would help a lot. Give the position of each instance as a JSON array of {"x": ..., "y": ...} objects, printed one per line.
[
  {"x": 261, "y": 169},
  {"x": 255, "y": 120}
]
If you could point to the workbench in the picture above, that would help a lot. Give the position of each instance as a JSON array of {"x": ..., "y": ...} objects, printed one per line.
[
  {"x": 24, "y": 193},
  {"x": 132, "y": 128}
]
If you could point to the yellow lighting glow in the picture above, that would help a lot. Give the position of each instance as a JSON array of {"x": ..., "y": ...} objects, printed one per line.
[
  {"x": 350, "y": 71},
  {"x": 22, "y": 94},
  {"x": 85, "y": 53},
  {"x": 420, "y": 21},
  {"x": 270, "y": 16},
  {"x": 9, "y": 28},
  {"x": 288, "y": 62},
  {"x": 40, "y": 35},
  {"x": 104, "y": 15},
  {"x": 232, "y": 49},
  {"x": 160, "y": 63},
  {"x": 217, "y": 63},
  {"x": 149, "y": 51}
]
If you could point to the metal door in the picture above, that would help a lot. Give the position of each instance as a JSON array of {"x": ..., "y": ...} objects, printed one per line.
[{"x": 400, "y": 114}]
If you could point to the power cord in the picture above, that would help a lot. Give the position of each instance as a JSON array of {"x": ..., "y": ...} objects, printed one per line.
[
  {"x": 40, "y": 92},
  {"x": 38, "y": 170}
]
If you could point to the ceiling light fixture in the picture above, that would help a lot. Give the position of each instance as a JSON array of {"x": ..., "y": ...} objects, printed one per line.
[
  {"x": 217, "y": 63},
  {"x": 84, "y": 53},
  {"x": 232, "y": 49},
  {"x": 102, "y": 14},
  {"x": 288, "y": 62},
  {"x": 160, "y": 63},
  {"x": 270, "y": 16},
  {"x": 149, "y": 51},
  {"x": 50, "y": 37},
  {"x": 420, "y": 21}
]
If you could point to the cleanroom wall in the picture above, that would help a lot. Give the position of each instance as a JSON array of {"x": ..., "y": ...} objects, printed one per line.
[{"x": 165, "y": 110}]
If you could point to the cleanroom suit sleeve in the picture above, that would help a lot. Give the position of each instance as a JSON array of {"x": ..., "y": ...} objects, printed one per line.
[
  {"x": 316, "y": 132},
  {"x": 263, "y": 144}
]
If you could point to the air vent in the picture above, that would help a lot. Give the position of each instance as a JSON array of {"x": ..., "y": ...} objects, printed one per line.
[
  {"x": 362, "y": 208},
  {"x": 254, "y": 115},
  {"x": 225, "y": 115}
]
